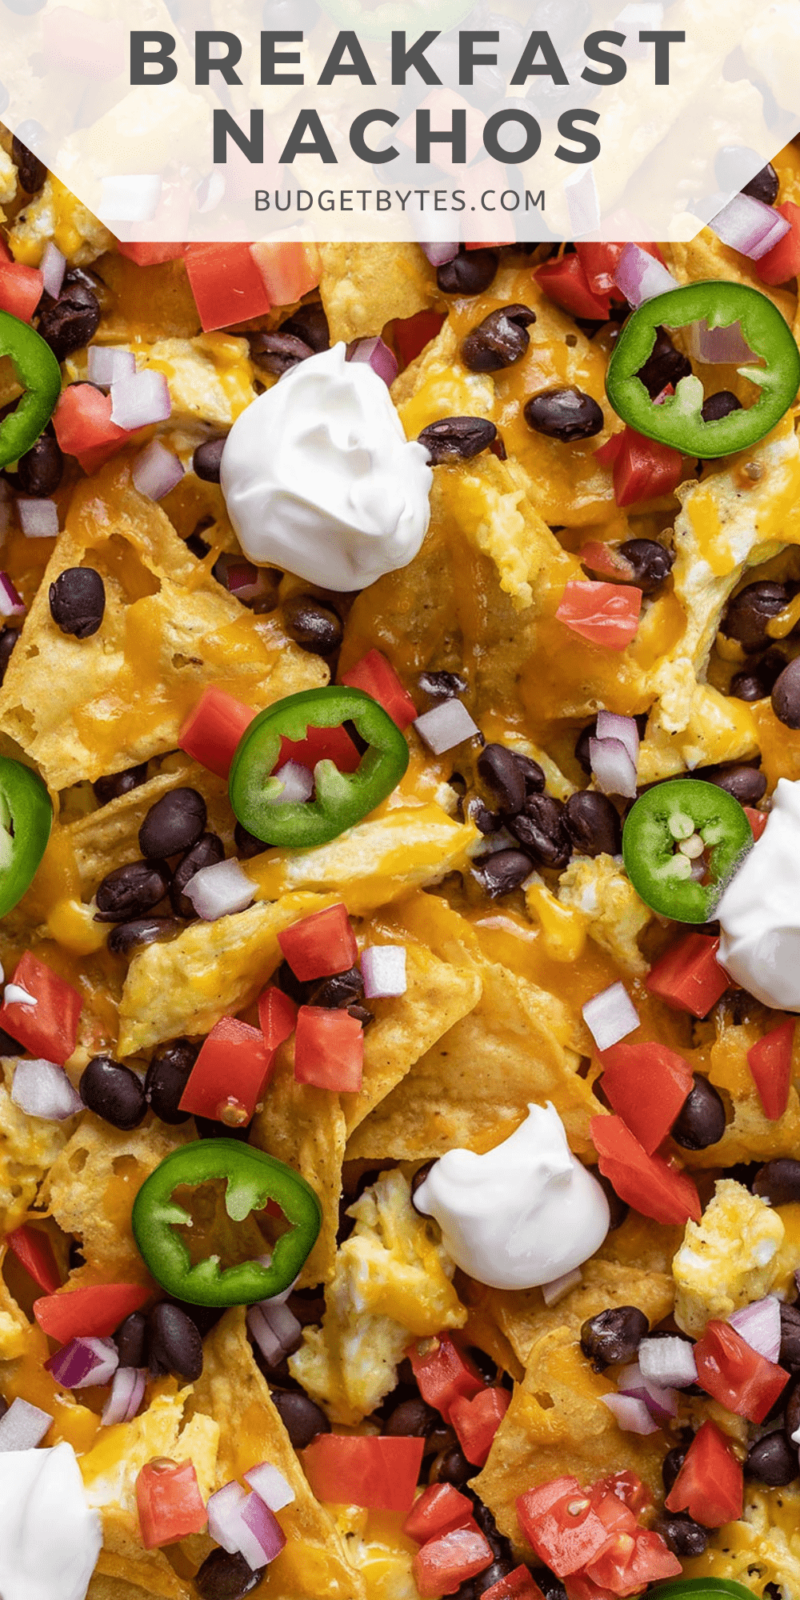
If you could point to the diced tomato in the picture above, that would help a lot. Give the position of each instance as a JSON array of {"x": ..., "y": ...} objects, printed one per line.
[
  {"x": 579, "y": 1587},
  {"x": 375, "y": 1471},
  {"x": 647, "y": 1084},
  {"x": 612, "y": 1509},
  {"x": 626, "y": 1486},
  {"x": 83, "y": 426},
  {"x": 770, "y": 1062},
  {"x": 439, "y": 1509},
  {"x": 411, "y": 334},
  {"x": 642, "y": 468},
  {"x": 782, "y": 262},
  {"x": 757, "y": 819},
  {"x": 229, "y": 1075},
  {"x": 277, "y": 1015},
  {"x": 688, "y": 976},
  {"x": 443, "y": 1564},
  {"x": 149, "y": 253},
  {"x": 320, "y": 945},
  {"x": 710, "y": 1484},
  {"x": 600, "y": 262},
  {"x": 604, "y": 613},
  {"x": 566, "y": 283},
  {"x": 560, "y": 1524},
  {"x": 607, "y": 453},
  {"x": 288, "y": 269},
  {"x": 735, "y": 1375},
  {"x": 95, "y": 1310},
  {"x": 597, "y": 557},
  {"x": 329, "y": 1049},
  {"x": 226, "y": 284},
  {"x": 213, "y": 729},
  {"x": 377, "y": 677},
  {"x": 632, "y": 1560},
  {"x": 321, "y": 744},
  {"x": 443, "y": 1373},
  {"x": 48, "y": 1028},
  {"x": 169, "y": 1502},
  {"x": 648, "y": 1183},
  {"x": 34, "y": 1252},
  {"x": 476, "y": 1421},
  {"x": 518, "y": 1585},
  {"x": 20, "y": 289}
]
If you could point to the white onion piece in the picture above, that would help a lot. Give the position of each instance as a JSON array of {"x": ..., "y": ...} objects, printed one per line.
[
  {"x": 261, "y": 1333},
  {"x": 270, "y": 1485},
  {"x": 611, "y": 726},
  {"x": 610, "y": 1016},
  {"x": 719, "y": 345},
  {"x": 11, "y": 604},
  {"x": 558, "y": 1287},
  {"x": 760, "y": 1326},
  {"x": 749, "y": 226},
  {"x": 52, "y": 266},
  {"x": 376, "y": 352},
  {"x": 614, "y": 771},
  {"x": 156, "y": 471},
  {"x": 298, "y": 784},
  {"x": 108, "y": 365},
  {"x": 38, "y": 519},
  {"x": 445, "y": 726},
  {"x": 220, "y": 890},
  {"x": 282, "y": 1321},
  {"x": 23, "y": 1426},
  {"x": 661, "y": 1402},
  {"x": 667, "y": 1362},
  {"x": 224, "y": 1510},
  {"x": 383, "y": 968},
  {"x": 439, "y": 254},
  {"x": 127, "y": 1394},
  {"x": 641, "y": 277},
  {"x": 632, "y": 1415},
  {"x": 265, "y": 1531},
  {"x": 140, "y": 400},
  {"x": 41, "y": 1089}
]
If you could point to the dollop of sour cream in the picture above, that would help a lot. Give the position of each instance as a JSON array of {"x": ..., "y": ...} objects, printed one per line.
[
  {"x": 524, "y": 1213},
  {"x": 319, "y": 478},
  {"x": 49, "y": 1537},
  {"x": 759, "y": 913}
]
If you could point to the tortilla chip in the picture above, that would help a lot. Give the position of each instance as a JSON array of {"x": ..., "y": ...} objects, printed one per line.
[
  {"x": 115, "y": 1578},
  {"x": 29, "y": 1147},
  {"x": 364, "y": 286},
  {"x": 305, "y": 1127}
]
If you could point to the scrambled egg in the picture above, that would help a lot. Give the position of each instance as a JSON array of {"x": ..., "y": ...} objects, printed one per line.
[
  {"x": 727, "y": 1259},
  {"x": 762, "y": 1549},
  {"x": 600, "y": 889},
  {"x": 57, "y": 215},
  {"x": 28, "y": 1148}
]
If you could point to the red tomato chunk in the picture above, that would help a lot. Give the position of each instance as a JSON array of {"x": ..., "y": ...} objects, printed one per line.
[
  {"x": 321, "y": 945},
  {"x": 49, "y": 1027},
  {"x": 329, "y": 1049},
  {"x": 379, "y": 1473},
  {"x": 733, "y": 1373},
  {"x": 443, "y": 1564},
  {"x": 169, "y": 1503},
  {"x": 444, "y": 1373},
  {"x": 710, "y": 1484}
]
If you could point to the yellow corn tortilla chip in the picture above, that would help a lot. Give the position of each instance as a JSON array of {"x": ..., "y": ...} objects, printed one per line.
[
  {"x": 364, "y": 286},
  {"x": 305, "y": 1127},
  {"x": 125, "y": 1578}
]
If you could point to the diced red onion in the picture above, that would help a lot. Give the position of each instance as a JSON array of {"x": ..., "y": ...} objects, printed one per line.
[
  {"x": 610, "y": 1016},
  {"x": 266, "y": 1531},
  {"x": 84, "y": 1362},
  {"x": 298, "y": 784},
  {"x": 156, "y": 471},
  {"x": 640, "y": 276},
  {"x": 558, "y": 1287},
  {"x": 439, "y": 254},
  {"x": 220, "y": 890},
  {"x": 610, "y": 726},
  {"x": 749, "y": 226},
  {"x": 38, "y": 519},
  {"x": 270, "y": 1485},
  {"x": 274, "y": 1328},
  {"x": 668, "y": 1362},
  {"x": 720, "y": 345},
  {"x": 127, "y": 1394},
  {"x": 760, "y": 1326},
  {"x": 52, "y": 266},
  {"x": 445, "y": 726},
  {"x": 140, "y": 400},
  {"x": 224, "y": 1511},
  {"x": 614, "y": 771},
  {"x": 41, "y": 1089},
  {"x": 661, "y": 1402},
  {"x": 376, "y": 352},
  {"x": 108, "y": 365},
  {"x": 11, "y": 604},
  {"x": 631, "y": 1414},
  {"x": 23, "y": 1426},
  {"x": 383, "y": 968},
  {"x": 262, "y": 1335}
]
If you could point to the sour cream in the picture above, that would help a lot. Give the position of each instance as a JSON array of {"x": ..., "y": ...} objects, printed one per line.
[
  {"x": 49, "y": 1537},
  {"x": 319, "y": 478},
  {"x": 759, "y": 912},
  {"x": 524, "y": 1213}
]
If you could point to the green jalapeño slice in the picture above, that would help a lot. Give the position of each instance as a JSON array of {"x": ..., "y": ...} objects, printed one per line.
[
  {"x": 26, "y": 817},
  {"x": 681, "y": 844},
  {"x": 39, "y": 373}
]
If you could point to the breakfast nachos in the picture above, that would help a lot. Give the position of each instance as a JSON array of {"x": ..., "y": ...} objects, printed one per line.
[{"x": 400, "y": 898}]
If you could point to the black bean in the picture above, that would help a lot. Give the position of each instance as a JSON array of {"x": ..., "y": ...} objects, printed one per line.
[
  {"x": 582, "y": 746},
  {"x": 40, "y": 470},
  {"x": 764, "y": 185},
  {"x": 778, "y": 1181},
  {"x": 701, "y": 1121},
  {"x": 340, "y": 990},
  {"x": 552, "y": 1588},
  {"x": 226, "y": 1577},
  {"x": 502, "y": 871},
  {"x": 9, "y": 1046},
  {"x": 442, "y": 685},
  {"x": 113, "y": 1092},
  {"x": 651, "y": 563},
  {"x": 504, "y": 776},
  {"x": 719, "y": 405},
  {"x": 130, "y": 1339},
  {"x": 247, "y": 844},
  {"x": 540, "y": 828},
  {"x": 593, "y": 824},
  {"x": 72, "y": 322},
  {"x": 664, "y": 365},
  {"x": 791, "y": 1397},
  {"x": 790, "y": 1338},
  {"x": 750, "y": 611},
  {"x": 119, "y": 783},
  {"x": 786, "y": 695},
  {"x": 301, "y": 1418},
  {"x": 140, "y": 931},
  {"x": 278, "y": 352},
  {"x": 500, "y": 340},
  {"x": 618, "y": 1209},
  {"x": 490, "y": 1575},
  {"x": 772, "y": 1460},
  {"x": 130, "y": 891},
  {"x": 469, "y": 273},
  {"x": 31, "y": 172},
  {"x": 486, "y": 821},
  {"x": 8, "y": 640},
  {"x": 208, "y": 850},
  {"x": 173, "y": 1342},
  {"x": 312, "y": 624},
  {"x": 613, "y": 1335},
  {"x": 453, "y": 1467},
  {"x": 206, "y": 461},
  {"x": 566, "y": 413},
  {"x": 457, "y": 438},
  {"x": 671, "y": 1466},
  {"x": 166, "y": 1079},
  {"x": 682, "y": 1535},
  {"x": 173, "y": 824},
  {"x": 78, "y": 601},
  {"x": 412, "y": 1419},
  {"x": 746, "y": 784},
  {"x": 758, "y": 678},
  {"x": 310, "y": 324}
]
